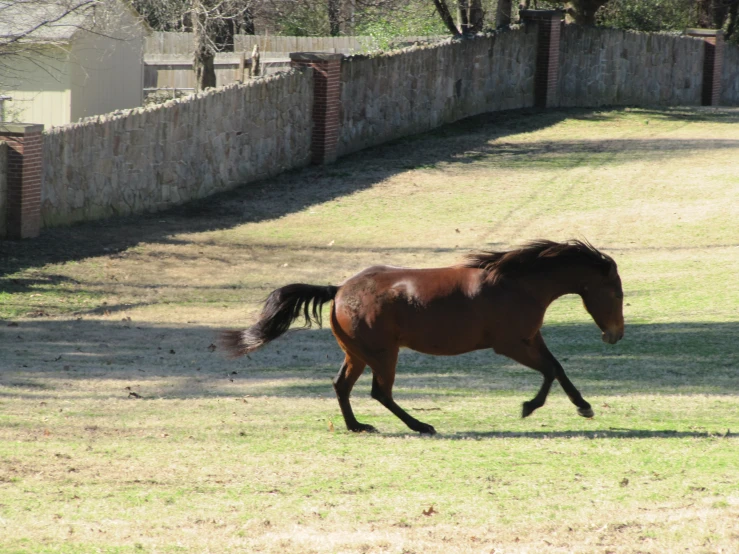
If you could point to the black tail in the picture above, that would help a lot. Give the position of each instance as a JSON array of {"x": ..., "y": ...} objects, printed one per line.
[{"x": 283, "y": 306}]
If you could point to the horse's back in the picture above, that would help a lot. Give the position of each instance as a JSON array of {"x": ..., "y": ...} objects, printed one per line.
[{"x": 437, "y": 310}]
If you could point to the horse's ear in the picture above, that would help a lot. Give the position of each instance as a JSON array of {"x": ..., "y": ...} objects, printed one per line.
[{"x": 612, "y": 270}]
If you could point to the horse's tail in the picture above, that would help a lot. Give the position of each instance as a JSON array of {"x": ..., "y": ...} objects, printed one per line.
[{"x": 282, "y": 307}]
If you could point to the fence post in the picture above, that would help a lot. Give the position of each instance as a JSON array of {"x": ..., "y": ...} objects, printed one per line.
[
  {"x": 546, "y": 78},
  {"x": 713, "y": 57},
  {"x": 23, "y": 182},
  {"x": 326, "y": 102}
]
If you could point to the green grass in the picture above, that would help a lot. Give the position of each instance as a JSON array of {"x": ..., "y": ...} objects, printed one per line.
[{"x": 222, "y": 456}]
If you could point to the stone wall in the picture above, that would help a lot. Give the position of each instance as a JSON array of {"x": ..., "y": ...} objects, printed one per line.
[
  {"x": 3, "y": 188},
  {"x": 150, "y": 158},
  {"x": 730, "y": 77},
  {"x": 610, "y": 67},
  {"x": 391, "y": 95}
]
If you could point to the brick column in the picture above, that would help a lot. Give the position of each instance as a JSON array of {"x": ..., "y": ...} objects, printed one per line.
[
  {"x": 23, "y": 179},
  {"x": 713, "y": 58},
  {"x": 546, "y": 78},
  {"x": 326, "y": 102}
]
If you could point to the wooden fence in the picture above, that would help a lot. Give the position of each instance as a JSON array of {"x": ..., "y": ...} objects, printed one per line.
[
  {"x": 168, "y": 56},
  {"x": 159, "y": 43}
]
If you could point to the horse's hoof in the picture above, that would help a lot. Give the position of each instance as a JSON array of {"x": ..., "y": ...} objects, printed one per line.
[
  {"x": 586, "y": 412},
  {"x": 363, "y": 428},
  {"x": 426, "y": 429},
  {"x": 527, "y": 410}
]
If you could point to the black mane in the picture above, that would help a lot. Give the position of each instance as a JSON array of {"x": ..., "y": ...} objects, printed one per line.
[{"x": 535, "y": 256}]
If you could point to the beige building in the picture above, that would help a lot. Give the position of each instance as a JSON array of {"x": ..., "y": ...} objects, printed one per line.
[{"x": 88, "y": 62}]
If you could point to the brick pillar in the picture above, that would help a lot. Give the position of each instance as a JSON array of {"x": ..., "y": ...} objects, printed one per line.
[
  {"x": 23, "y": 182},
  {"x": 713, "y": 58},
  {"x": 546, "y": 78},
  {"x": 326, "y": 102}
]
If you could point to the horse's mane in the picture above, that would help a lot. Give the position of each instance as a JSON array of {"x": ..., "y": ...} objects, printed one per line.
[{"x": 536, "y": 256}]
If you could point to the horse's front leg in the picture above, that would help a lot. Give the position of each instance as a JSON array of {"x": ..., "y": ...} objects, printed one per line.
[
  {"x": 583, "y": 407},
  {"x": 534, "y": 353}
]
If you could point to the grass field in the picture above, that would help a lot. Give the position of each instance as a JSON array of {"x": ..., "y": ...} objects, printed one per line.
[{"x": 124, "y": 429}]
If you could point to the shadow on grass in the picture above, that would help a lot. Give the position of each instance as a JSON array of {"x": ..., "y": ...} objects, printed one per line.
[
  {"x": 50, "y": 356},
  {"x": 612, "y": 433},
  {"x": 465, "y": 141}
]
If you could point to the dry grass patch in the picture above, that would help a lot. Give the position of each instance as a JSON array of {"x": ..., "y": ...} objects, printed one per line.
[{"x": 122, "y": 428}]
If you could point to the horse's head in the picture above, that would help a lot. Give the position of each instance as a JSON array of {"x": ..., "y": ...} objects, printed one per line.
[{"x": 604, "y": 299}]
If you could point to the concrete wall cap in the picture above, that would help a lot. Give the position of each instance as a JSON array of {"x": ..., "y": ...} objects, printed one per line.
[
  {"x": 315, "y": 57},
  {"x": 20, "y": 128},
  {"x": 530, "y": 14},
  {"x": 703, "y": 32}
]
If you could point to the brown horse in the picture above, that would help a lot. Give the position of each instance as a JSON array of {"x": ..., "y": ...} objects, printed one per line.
[{"x": 493, "y": 300}]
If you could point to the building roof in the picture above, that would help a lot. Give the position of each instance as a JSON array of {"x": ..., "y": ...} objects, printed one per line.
[{"x": 56, "y": 20}]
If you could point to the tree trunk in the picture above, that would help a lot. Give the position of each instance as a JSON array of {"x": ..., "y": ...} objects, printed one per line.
[
  {"x": 446, "y": 16},
  {"x": 247, "y": 22},
  {"x": 204, "y": 57},
  {"x": 733, "y": 17},
  {"x": 703, "y": 13},
  {"x": 582, "y": 12},
  {"x": 334, "y": 17},
  {"x": 503, "y": 13},
  {"x": 471, "y": 16},
  {"x": 463, "y": 16},
  {"x": 225, "y": 29}
]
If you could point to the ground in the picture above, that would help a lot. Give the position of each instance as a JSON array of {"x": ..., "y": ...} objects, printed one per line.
[{"x": 123, "y": 428}]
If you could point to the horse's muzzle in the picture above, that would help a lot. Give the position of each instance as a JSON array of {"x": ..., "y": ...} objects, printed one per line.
[{"x": 611, "y": 336}]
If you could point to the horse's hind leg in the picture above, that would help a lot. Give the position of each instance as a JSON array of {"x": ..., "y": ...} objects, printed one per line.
[
  {"x": 383, "y": 378},
  {"x": 344, "y": 381}
]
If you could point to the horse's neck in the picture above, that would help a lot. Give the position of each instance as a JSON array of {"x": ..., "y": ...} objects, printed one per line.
[{"x": 547, "y": 286}]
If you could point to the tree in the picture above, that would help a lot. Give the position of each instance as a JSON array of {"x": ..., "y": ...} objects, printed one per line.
[
  {"x": 582, "y": 12},
  {"x": 214, "y": 23},
  {"x": 671, "y": 15},
  {"x": 446, "y": 17},
  {"x": 718, "y": 14},
  {"x": 503, "y": 13}
]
